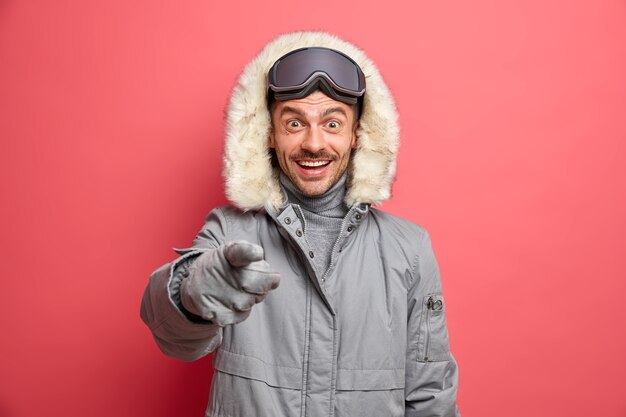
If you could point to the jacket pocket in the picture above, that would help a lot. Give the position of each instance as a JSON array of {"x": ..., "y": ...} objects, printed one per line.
[{"x": 433, "y": 345}]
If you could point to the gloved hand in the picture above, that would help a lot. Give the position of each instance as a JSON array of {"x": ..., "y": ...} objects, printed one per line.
[{"x": 225, "y": 283}]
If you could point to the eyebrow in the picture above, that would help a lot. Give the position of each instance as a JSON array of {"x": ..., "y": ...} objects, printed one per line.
[
  {"x": 332, "y": 110},
  {"x": 328, "y": 111},
  {"x": 289, "y": 109}
]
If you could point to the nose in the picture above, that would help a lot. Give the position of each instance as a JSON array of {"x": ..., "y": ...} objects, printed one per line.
[{"x": 314, "y": 140}]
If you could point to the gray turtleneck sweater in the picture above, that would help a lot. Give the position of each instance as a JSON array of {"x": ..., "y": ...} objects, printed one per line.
[{"x": 323, "y": 216}]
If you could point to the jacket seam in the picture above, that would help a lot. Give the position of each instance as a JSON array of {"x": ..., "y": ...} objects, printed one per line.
[
  {"x": 305, "y": 357},
  {"x": 415, "y": 267},
  {"x": 226, "y": 224},
  {"x": 334, "y": 367},
  {"x": 260, "y": 360},
  {"x": 369, "y": 369}
]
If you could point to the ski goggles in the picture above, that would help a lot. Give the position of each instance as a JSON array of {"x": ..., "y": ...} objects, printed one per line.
[{"x": 300, "y": 72}]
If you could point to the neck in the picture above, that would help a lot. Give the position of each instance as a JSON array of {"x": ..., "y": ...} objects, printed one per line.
[{"x": 329, "y": 204}]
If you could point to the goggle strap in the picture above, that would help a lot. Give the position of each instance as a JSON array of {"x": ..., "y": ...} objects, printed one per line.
[{"x": 321, "y": 83}]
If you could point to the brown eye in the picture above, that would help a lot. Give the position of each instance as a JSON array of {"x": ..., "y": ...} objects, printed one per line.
[
  {"x": 333, "y": 124},
  {"x": 294, "y": 123}
]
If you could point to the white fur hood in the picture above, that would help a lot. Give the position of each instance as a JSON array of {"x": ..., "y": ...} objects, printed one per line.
[{"x": 252, "y": 182}]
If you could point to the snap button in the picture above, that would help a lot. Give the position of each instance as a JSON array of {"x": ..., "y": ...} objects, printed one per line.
[
  {"x": 288, "y": 220},
  {"x": 350, "y": 228},
  {"x": 185, "y": 272},
  {"x": 311, "y": 254},
  {"x": 438, "y": 305},
  {"x": 358, "y": 217},
  {"x": 299, "y": 233}
]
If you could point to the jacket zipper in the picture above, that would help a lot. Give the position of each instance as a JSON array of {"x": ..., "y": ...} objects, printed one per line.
[
  {"x": 339, "y": 238},
  {"x": 429, "y": 306}
]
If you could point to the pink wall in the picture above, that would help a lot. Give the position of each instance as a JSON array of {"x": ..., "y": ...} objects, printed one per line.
[{"x": 513, "y": 156}]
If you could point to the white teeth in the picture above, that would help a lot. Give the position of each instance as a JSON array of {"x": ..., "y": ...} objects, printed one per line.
[{"x": 313, "y": 163}]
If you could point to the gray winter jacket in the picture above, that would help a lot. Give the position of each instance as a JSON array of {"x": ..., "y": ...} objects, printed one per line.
[{"x": 369, "y": 338}]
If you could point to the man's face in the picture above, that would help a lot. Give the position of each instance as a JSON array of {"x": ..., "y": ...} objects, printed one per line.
[{"x": 313, "y": 138}]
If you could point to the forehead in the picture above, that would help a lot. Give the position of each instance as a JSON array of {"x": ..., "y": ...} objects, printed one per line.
[{"x": 315, "y": 104}]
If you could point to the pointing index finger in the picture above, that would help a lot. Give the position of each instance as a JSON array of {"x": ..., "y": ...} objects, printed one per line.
[{"x": 242, "y": 253}]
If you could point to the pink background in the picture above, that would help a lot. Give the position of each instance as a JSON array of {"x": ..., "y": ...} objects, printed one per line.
[{"x": 513, "y": 156}]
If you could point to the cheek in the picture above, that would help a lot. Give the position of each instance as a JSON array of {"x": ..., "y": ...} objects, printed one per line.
[
  {"x": 282, "y": 151},
  {"x": 347, "y": 144}
]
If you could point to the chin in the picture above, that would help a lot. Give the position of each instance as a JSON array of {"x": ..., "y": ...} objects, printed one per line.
[{"x": 315, "y": 191}]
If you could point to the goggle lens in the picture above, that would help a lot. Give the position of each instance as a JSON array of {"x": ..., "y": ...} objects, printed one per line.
[{"x": 295, "y": 70}]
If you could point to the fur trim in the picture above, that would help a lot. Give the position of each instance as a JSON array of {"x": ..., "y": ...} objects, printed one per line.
[{"x": 252, "y": 183}]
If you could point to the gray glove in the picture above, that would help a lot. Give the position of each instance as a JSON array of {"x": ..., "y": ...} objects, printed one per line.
[{"x": 225, "y": 283}]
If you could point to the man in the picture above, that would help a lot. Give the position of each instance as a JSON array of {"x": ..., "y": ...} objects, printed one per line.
[{"x": 314, "y": 303}]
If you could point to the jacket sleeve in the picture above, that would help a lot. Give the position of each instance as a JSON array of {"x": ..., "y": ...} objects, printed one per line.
[
  {"x": 431, "y": 371},
  {"x": 177, "y": 332}
]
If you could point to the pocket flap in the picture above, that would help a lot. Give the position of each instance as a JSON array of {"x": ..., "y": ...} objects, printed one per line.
[{"x": 255, "y": 368}]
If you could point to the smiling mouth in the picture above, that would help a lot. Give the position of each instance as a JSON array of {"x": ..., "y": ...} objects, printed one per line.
[{"x": 313, "y": 164}]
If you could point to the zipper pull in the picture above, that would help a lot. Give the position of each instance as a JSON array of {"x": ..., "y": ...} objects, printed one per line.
[{"x": 431, "y": 304}]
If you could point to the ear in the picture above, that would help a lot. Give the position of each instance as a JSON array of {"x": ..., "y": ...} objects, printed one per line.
[
  {"x": 354, "y": 136},
  {"x": 271, "y": 141}
]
